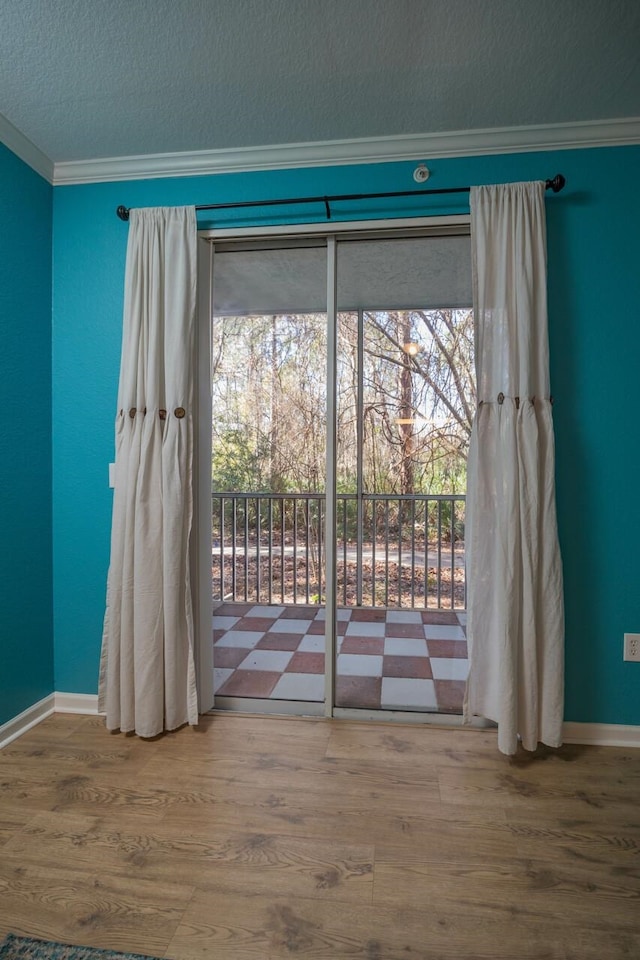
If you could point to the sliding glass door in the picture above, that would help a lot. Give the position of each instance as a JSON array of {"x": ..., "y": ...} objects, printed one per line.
[{"x": 342, "y": 383}]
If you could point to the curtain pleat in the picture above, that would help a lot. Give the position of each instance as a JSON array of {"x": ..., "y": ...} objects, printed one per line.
[
  {"x": 147, "y": 670},
  {"x": 515, "y": 625}
]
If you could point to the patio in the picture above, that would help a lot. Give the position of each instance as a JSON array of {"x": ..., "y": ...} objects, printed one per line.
[{"x": 394, "y": 659}]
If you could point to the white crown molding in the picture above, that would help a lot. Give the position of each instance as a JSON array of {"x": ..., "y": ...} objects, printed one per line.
[
  {"x": 461, "y": 143},
  {"x": 15, "y": 727},
  {"x": 601, "y": 734},
  {"x": 25, "y": 149}
]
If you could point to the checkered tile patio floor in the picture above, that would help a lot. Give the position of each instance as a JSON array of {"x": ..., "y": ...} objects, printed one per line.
[{"x": 389, "y": 659}]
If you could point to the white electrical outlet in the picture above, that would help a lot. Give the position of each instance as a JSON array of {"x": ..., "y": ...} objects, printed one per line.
[{"x": 632, "y": 646}]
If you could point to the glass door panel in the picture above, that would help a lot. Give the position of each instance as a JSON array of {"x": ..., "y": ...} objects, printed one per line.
[
  {"x": 268, "y": 470},
  {"x": 405, "y": 395}
]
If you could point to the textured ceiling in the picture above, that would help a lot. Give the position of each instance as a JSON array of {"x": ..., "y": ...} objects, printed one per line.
[{"x": 84, "y": 79}]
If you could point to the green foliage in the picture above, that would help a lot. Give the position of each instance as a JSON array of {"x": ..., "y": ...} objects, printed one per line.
[
  {"x": 236, "y": 464},
  {"x": 446, "y": 472}
]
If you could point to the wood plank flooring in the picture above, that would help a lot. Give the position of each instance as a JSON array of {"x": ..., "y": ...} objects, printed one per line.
[{"x": 260, "y": 838}]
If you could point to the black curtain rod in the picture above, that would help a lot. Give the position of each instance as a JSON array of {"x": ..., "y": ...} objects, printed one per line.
[{"x": 556, "y": 184}]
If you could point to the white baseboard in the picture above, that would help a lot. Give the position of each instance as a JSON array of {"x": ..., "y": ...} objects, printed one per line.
[
  {"x": 76, "y": 703},
  {"x": 602, "y": 734},
  {"x": 595, "y": 734},
  {"x": 14, "y": 728}
]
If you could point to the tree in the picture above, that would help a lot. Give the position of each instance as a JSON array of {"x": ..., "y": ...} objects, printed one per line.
[
  {"x": 268, "y": 383},
  {"x": 425, "y": 410},
  {"x": 419, "y": 396}
]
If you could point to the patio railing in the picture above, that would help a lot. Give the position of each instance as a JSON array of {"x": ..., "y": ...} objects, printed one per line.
[{"x": 392, "y": 551}]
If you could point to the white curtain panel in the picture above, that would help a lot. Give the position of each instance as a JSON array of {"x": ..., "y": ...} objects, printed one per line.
[
  {"x": 515, "y": 604},
  {"x": 147, "y": 672}
]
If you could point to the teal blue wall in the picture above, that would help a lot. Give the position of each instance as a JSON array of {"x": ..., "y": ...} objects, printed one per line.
[
  {"x": 26, "y": 633},
  {"x": 594, "y": 298}
]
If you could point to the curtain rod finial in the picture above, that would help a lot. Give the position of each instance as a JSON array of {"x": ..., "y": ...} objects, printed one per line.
[
  {"x": 123, "y": 212},
  {"x": 557, "y": 183}
]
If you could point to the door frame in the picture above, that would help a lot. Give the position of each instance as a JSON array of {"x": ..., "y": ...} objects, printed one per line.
[{"x": 201, "y": 540}]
